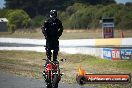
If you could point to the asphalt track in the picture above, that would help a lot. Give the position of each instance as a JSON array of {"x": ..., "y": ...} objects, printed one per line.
[{"x": 12, "y": 81}]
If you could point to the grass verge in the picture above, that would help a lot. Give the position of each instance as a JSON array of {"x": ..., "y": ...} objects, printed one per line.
[
  {"x": 30, "y": 64},
  {"x": 67, "y": 34}
]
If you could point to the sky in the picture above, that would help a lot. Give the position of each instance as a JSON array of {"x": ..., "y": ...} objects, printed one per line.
[
  {"x": 123, "y": 1},
  {"x": 2, "y": 3},
  {"x": 118, "y": 1}
]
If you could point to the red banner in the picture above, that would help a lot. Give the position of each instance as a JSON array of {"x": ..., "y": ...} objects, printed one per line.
[{"x": 104, "y": 78}]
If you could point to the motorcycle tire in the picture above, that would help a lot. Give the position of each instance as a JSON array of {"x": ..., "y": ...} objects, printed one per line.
[
  {"x": 55, "y": 82},
  {"x": 48, "y": 85}
]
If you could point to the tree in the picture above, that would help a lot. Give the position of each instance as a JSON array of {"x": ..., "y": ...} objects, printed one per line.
[
  {"x": 18, "y": 19},
  {"x": 42, "y": 7},
  {"x": 37, "y": 21},
  {"x": 37, "y": 7},
  {"x": 96, "y": 2},
  {"x": 128, "y": 3}
]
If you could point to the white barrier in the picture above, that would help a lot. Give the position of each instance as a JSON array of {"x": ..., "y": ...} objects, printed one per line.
[
  {"x": 23, "y": 41},
  {"x": 127, "y": 41},
  {"x": 79, "y": 46},
  {"x": 73, "y": 42}
]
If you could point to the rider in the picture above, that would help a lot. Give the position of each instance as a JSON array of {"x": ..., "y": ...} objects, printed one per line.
[{"x": 52, "y": 30}]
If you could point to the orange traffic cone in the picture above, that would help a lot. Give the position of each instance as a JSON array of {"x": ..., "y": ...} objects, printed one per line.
[{"x": 122, "y": 34}]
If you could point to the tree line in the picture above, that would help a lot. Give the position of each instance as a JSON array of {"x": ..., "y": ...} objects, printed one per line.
[
  {"x": 80, "y": 16},
  {"x": 75, "y": 14},
  {"x": 42, "y": 7}
]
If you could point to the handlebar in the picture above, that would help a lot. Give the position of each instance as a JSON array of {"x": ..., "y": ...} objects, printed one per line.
[{"x": 49, "y": 61}]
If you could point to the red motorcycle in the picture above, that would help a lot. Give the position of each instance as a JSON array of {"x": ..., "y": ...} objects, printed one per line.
[{"x": 52, "y": 73}]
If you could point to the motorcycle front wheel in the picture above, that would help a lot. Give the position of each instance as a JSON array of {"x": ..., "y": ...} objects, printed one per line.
[
  {"x": 48, "y": 85},
  {"x": 55, "y": 82}
]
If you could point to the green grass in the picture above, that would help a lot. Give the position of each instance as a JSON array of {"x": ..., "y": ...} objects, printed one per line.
[
  {"x": 30, "y": 64},
  {"x": 67, "y": 34}
]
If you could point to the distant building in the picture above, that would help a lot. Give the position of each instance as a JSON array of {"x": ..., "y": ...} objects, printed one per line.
[{"x": 3, "y": 25}]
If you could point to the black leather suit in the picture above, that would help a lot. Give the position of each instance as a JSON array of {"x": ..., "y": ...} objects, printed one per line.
[{"x": 52, "y": 30}]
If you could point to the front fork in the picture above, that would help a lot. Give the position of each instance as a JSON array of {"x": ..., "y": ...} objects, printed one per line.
[{"x": 49, "y": 77}]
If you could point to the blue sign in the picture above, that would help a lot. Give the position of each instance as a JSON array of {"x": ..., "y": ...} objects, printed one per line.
[
  {"x": 107, "y": 53},
  {"x": 126, "y": 54},
  {"x": 117, "y": 54}
]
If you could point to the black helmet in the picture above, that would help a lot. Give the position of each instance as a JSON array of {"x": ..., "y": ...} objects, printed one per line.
[{"x": 53, "y": 13}]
